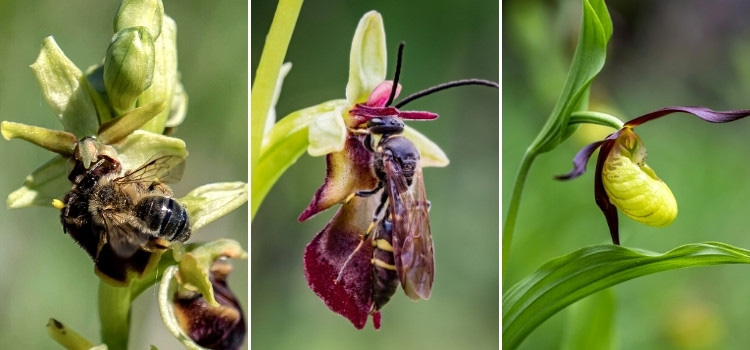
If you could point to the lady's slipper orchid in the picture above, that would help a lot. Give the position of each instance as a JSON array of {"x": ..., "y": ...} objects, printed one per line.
[{"x": 624, "y": 181}]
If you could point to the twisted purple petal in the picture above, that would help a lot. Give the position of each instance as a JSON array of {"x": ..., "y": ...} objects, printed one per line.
[
  {"x": 580, "y": 160},
  {"x": 704, "y": 113}
]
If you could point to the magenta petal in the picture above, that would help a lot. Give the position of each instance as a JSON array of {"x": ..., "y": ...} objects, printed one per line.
[
  {"x": 380, "y": 94},
  {"x": 342, "y": 279}
]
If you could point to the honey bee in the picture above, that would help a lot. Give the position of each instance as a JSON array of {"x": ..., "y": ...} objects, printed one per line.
[{"x": 121, "y": 217}]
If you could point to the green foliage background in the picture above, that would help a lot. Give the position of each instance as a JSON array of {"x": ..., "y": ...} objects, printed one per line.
[
  {"x": 662, "y": 53},
  {"x": 42, "y": 272},
  {"x": 444, "y": 41}
]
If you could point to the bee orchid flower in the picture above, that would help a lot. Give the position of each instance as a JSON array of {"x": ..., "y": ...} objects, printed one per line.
[
  {"x": 624, "y": 181},
  {"x": 337, "y": 265}
]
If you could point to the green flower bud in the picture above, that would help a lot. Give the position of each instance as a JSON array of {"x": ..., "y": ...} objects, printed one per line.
[
  {"x": 140, "y": 13},
  {"x": 633, "y": 187},
  {"x": 128, "y": 67}
]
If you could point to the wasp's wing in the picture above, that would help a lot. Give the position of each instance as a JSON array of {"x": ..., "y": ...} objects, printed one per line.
[
  {"x": 167, "y": 169},
  {"x": 412, "y": 238},
  {"x": 124, "y": 234}
]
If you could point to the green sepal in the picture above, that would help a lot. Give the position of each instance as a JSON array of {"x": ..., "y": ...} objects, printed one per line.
[
  {"x": 65, "y": 89},
  {"x": 210, "y": 202},
  {"x": 118, "y": 128},
  {"x": 368, "y": 58},
  {"x": 165, "y": 75}
]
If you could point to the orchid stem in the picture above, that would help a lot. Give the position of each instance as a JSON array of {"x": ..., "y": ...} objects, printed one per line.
[
  {"x": 114, "y": 315},
  {"x": 599, "y": 118},
  {"x": 515, "y": 201}
]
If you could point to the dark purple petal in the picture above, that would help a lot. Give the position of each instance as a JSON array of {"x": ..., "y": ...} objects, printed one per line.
[
  {"x": 600, "y": 195},
  {"x": 417, "y": 115},
  {"x": 704, "y": 113},
  {"x": 580, "y": 161},
  {"x": 364, "y": 113},
  {"x": 337, "y": 265}
]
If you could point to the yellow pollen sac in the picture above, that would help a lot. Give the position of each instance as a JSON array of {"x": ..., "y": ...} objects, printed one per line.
[{"x": 633, "y": 187}]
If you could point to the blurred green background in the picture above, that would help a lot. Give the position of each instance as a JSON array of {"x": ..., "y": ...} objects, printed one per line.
[
  {"x": 42, "y": 272},
  {"x": 444, "y": 41},
  {"x": 662, "y": 53}
]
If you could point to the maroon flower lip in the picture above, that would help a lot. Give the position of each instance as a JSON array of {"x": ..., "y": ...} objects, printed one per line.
[{"x": 581, "y": 158}]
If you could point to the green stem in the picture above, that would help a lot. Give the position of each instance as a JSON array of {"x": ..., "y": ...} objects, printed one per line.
[
  {"x": 114, "y": 315},
  {"x": 515, "y": 202},
  {"x": 599, "y": 118},
  {"x": 266, "y": 76}
]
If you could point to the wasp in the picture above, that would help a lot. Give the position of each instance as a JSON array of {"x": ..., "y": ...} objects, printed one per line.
[
  {"x": 400, "y": 234},
  {"x": 120, "y": 217}
]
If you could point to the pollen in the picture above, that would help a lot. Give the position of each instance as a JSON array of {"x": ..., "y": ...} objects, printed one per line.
[{"x": 58, "y": 204}]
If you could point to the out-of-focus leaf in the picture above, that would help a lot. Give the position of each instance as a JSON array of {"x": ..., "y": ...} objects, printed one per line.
[
  {"x": 210, "y": 202},
  {"x": 165, "y": 75},
  {"x": 564, "y": 280},
  {"x": 590, "y": 323}
]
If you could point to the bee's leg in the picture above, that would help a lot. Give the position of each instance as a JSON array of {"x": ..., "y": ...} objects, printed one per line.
[
  {"x": 383, "y": 200},
  {"x": 364, "y": 193}
]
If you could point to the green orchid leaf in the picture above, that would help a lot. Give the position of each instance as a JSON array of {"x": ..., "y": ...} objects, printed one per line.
[
  {"x": 430, "y": 153},
  {"x": 590, "y": 323},
  {"x": 368, "y": 58},
  {"x": 588, "y": 60},
  {"x": 65, "y": 89},
  {"x": 210, "y": 202},
  {"x": 266, "y": 76},
  {"x": 48, "y": 182},
  {"x": 58, "y": 141},
  {"x": 165, "y": 75},
  {"x": 283, "y": 145},
  {"x": 117, "y": 129},
  {"x": 567, "y": 279}
]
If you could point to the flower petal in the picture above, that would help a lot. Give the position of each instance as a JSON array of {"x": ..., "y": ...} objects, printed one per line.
[
  {"x": 580, "y": 161},
  {"x": 367, "y": 59},
  {"x": 704, "y": 113},
  {"x": 430, "y": 153},
  {"x": 335, "y": 270},
  {"x": 347, "y": 171},
  {"x": 327, "y": 133}
]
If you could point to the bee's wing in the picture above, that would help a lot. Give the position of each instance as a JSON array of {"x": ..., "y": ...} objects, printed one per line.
[
  {"x": 124, "y": 234},
  {"x": 412, "y": 238},
  {"x": 167, "y": 169}
]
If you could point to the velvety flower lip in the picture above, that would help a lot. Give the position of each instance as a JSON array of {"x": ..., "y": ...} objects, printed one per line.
[{"x": 606, "y": 204}]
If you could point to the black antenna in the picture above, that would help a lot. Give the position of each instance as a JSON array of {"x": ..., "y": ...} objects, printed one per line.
[
  {"x": 444, "y": 86},
  {"x": 397, "y": 74}
]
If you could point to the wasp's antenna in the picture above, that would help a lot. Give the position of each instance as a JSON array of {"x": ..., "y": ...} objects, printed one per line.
[
  {"x": 398, "y": 73},
  {"x": 444, "y": 86}
]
